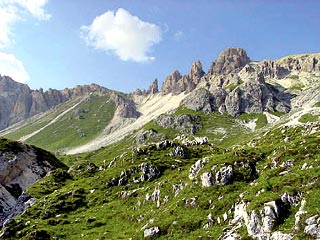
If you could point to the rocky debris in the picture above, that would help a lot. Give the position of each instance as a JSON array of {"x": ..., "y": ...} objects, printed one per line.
[
  {"x": 210, "y": 221},
  {"x": 177, "y": 188},
  {"x": 151, "y": 232},
  {"x": 224, "y": 175},
  {"x": 185, "y": 123},
  {"x": 206, "y": 179},
  {"x": 291, "y": 199},
  {"x": 195, "y": 141},
  {"x": 191, "y": 202},
  {"x": 155, "y": 197},
  {"x": 149, "y": 172},
  {"x": 313, "y": 226},
  {"x": 178, "y": 152},
  {"x": 84, "y": 168},
  {"x": 144, "y": 136},
  {"x": 259, "y": 224},
  {"x": 231, "y": 60},
  {"x": 298, "y": 215},
  {"x": 196, "y": 167},
  {"x": 123, "y": 178}
]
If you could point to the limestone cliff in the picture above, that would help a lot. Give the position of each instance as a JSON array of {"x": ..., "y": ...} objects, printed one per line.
[{"x": 20, "y": 166}]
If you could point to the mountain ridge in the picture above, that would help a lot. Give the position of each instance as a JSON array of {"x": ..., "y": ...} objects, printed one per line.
[
  {"x": 231, "y": 153},
  {"x": 233, "y": 84}
]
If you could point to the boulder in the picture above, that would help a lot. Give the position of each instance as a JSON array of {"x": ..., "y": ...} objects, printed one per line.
[
  {"x": 151, "y": 232},
  {"x": 224, "y": 175}
]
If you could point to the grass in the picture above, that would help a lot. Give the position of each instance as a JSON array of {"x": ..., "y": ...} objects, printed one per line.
[
  {"x": 82, "y": 124},
  {"x": 32, "y": 126},
  {"x": 308, "y": 117},
  {"x": 78, "y": 205}
]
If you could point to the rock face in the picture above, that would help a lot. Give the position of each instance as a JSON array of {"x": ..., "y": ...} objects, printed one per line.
[
  {"x": 236, "y": 85},
  {"x": 153, "y": 89},
  {"x": 184, "y": 123},
  {"x": 20, "y": 166},
  {"x": 230, "y": 61},
  {"x": 175, "y": 83}
]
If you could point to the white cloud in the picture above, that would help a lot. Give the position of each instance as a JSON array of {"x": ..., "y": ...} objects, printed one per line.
[
  {"x": 35, "y": 8},
  {"x": 8, "y": 17},
  {"x": 12, "y": 67},
  {"x": 122, "y": 33},
  {"x": 178, "y": 36},
  {"x": 12, "y": 11}
]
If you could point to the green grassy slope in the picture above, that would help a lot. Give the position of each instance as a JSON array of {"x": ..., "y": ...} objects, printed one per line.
[
  {"x": 80, "y": 125},
  {"x": 81, "y": 205}
]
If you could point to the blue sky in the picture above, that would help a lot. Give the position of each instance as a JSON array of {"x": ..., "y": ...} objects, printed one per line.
[{"x": 126, "y": 44}]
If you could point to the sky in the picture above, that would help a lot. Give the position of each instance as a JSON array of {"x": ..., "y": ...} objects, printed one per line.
[{"x": 126, "y": 44}]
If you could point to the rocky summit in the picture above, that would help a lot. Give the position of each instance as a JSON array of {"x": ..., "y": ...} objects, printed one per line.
[{"x": 227, "y": 153}]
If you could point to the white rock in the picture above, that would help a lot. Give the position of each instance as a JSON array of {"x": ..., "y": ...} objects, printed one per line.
[{"x": 151, "y": 231}]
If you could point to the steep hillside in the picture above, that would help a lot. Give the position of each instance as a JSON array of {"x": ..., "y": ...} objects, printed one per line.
[{"x": 183, "y": 188}]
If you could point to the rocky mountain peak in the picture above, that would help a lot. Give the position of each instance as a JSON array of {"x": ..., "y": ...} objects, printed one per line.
[
  {"x": 196, "y": 71},
  {"x": 153, "y": 87},
  {"x": 230, "y": 61},
  {"x": 170, "y": 82}
]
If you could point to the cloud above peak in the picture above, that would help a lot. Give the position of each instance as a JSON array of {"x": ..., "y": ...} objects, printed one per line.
[
  {"x": 12, "y": 67},
  {"x": 125, "y": 35}
]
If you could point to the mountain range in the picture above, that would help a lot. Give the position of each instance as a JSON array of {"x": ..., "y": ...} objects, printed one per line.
[{"x": 230, "y": 153}]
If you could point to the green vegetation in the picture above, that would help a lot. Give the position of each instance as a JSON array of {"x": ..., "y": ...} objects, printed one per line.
[
  {"x": 83, "y": 204},
  {"x": 233, "y": 86},
  {"x": 317, "y": 104},
  {"x": 78, "y": 126},
  {"x": 7, "y": 145},
  {"x": 308, "y": 117},
  {"x": 32, "y": 126}
]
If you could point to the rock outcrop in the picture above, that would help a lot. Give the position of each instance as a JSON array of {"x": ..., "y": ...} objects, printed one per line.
[
  {"x": 184, "y": 123},
  {"x": 175, "y": 83},
  {"x": 20, "y": 166},
  {"x": 231, "y": 60}
]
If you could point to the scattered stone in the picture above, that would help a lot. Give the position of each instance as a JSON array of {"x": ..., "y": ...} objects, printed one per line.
[
  {"x": 196, "y": 167},
  {"x": 224, "y": 176},
  {"x": 206, "y": 179},
  {"x": 151, "y": 232}
]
